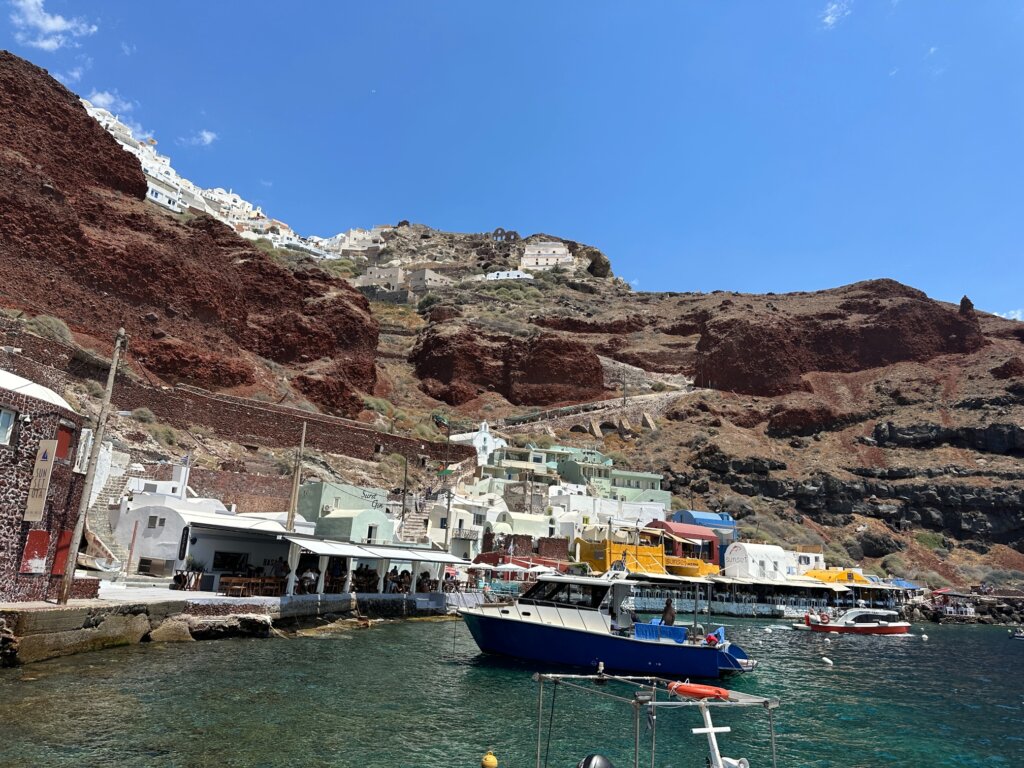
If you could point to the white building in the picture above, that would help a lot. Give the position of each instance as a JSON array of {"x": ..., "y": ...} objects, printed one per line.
[
  {"x": 545, "y": 255},
  {"x": 483, "y": 441},
  {"x": 760, "y": 562},
  {"x": 511, "y": 274},
  {"x": 156, "y": 513},
  {"x": 590, "y": 510}
]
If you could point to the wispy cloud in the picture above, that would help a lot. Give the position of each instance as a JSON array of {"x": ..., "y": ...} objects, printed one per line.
[
  {"x": 201, "y": 138},
  {"x": 112, "y": 101},
  {"x": 127, "y": 49},
  {"x": 71, "y": 76},
  {"x": 1013, "y": 314},
  {"x": 36, "y": 28},
  {"x": 893, "y": 71},
  {"x": 834, "y": 12},
  {"x": 931, "y": 51},
  {"x": 266, "y": 183}
]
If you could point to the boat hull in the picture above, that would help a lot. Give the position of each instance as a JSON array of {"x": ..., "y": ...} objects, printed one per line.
[
  {"x": 578, "y": 648},
  {"x": 890, "y": 629}
]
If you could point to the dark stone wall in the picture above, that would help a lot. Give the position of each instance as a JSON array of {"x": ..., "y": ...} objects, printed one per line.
[{"x": 17, "y": 462}]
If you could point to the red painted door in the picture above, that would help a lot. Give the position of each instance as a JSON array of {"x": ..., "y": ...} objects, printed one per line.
[{"x": 33, "y": 559}]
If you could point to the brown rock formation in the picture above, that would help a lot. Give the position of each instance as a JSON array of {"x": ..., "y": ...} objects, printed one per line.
[
  {"x": 457, "y": 364},
  {"x": 865, "y": 325}
]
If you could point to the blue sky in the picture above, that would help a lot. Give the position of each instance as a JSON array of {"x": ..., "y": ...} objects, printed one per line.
[{"x": 752, "y": 146}]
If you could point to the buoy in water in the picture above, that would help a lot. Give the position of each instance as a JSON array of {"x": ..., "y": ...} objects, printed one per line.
[
  {"x": 767, "y": 630},
  {"x": 924, "y": 637},
  {"x": 827, "y": 641},
  {"x": 827, "y": 660},
  {"x": 489, "y": 760}
]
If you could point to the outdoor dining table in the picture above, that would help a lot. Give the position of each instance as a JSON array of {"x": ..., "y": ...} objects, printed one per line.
[{"x": 249, "y": 586}]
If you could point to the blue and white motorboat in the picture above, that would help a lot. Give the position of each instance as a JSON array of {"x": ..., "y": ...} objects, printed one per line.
[{"x": 580, "y": 621}]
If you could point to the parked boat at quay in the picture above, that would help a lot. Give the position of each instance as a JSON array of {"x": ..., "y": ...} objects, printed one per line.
[
  {"x": 858, "y": 621},
  {"x": 580, "y": 621}
]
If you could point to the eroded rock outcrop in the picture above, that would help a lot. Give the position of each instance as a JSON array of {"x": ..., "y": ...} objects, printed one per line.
[
  {"x": 865, "y": 325},
  {"x": 457, "y": 364}
]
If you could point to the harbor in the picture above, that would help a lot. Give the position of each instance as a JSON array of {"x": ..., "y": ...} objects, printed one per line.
[{"x": 420, "y": 693}]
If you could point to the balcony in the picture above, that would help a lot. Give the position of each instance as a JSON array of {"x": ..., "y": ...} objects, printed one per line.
[{"x": 469, "y": 534}]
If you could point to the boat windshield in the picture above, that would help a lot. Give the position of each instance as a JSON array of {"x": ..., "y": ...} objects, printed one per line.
[{"x": 587, "y": 596}]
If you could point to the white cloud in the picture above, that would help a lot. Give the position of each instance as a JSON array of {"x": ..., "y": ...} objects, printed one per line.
[
  {"x": 127, "y": 49},
  {"x": 71, "y": 76},
  {"x": 931, "y": 51},
  {"x": 1013, "y": 314},
  {"x": 265, "y": 183},
  {"x": 47, "y": 31},
  {"x": 111, "y": 101},
  {"x": 835, "y": 12},
  {"x": 202, "y": 138}
]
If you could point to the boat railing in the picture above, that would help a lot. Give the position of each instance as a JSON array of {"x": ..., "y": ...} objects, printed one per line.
[{"x": 648, "y": 697}]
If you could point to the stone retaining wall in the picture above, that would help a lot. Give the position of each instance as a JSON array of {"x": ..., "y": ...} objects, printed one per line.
[{"x": 30, "y": 635}]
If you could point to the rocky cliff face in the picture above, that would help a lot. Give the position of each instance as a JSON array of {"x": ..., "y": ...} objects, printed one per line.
[
  {"x": 458, "y": 363},
  {"x": 201, "y": 305}
]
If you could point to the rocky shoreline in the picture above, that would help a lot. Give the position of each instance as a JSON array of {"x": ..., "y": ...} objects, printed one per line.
[{"x": 36, "y": 634}]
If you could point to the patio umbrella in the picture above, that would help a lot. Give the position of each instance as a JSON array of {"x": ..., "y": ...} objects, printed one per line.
[
  {"x": 481, "y": 567},
  {"x": 510, "y": 568},
  {"x": 540, "y": 569}
]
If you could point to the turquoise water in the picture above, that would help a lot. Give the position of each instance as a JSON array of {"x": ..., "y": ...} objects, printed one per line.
[{"x": 395, "y": 695}]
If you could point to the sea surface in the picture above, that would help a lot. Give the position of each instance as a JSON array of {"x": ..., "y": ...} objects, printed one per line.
[{"x": 420, "y": 694}]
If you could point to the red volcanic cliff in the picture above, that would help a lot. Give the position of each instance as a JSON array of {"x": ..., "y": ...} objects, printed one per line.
[
  {"x": 865, "y": 325},
  {"x": 457, "y": 364},
  {"x": 202, "y": 305}
]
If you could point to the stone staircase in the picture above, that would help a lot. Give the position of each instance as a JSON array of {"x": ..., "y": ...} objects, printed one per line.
[
  {"x": 414, "y": 526},
  {"x": 98, "y": 515}
]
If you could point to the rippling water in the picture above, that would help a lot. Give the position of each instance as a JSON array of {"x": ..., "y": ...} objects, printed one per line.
[{"x": 419, "y": 694}]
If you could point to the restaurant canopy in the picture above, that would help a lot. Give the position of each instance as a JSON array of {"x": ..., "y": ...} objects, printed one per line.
[{"x": 326, "y": 547}]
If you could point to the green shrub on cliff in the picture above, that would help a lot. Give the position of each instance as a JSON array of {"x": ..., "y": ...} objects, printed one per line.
[
  {"x": 144, "y": 415},
  {"x": 50, "y": 327}
]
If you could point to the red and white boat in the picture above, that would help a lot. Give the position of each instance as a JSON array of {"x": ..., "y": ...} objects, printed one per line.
[{"x": 857, "y": 621}]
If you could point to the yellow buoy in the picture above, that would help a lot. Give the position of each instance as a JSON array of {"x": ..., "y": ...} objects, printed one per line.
[{"x": 489, "y": 760}]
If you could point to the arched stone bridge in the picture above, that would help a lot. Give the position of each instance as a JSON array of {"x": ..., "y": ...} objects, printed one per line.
[{"x": 599, "y": 418}]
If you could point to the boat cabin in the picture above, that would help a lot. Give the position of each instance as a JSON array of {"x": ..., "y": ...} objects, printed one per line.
[{"x": 583, "y": 593}]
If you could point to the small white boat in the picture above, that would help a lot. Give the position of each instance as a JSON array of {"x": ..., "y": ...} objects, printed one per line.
[{"x": 856, "y": 621}]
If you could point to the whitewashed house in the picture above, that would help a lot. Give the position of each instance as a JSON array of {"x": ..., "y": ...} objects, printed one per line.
[
  {"x": 483, "y": 441},
  {"x": 511, "y": 274},
  {"x": 545, "y": 255}
]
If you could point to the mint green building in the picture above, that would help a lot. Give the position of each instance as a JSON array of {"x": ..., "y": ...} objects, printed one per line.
[{"x": 347, "y": 512}]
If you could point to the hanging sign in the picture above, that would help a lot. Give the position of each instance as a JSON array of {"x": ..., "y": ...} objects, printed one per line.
[{"x": 40, "y": 485}]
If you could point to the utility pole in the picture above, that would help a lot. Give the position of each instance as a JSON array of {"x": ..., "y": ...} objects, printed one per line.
[
  {"x": 293, "y": 504},
  {"x": 405, "y": 490},
  {"x": 447, "y": 478},
  {"x": 90, "y": 474}
]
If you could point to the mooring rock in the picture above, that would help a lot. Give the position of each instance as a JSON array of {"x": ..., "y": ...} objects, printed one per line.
[
  {"x": 174, "y": 630},
  {"x": 241, "y": 625}
]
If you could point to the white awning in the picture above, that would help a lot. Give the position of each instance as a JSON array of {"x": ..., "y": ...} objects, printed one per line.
[
  {"x": 668, "y": 577},
  {"x": 329, "y": 548},
  {"x": 414, "y": 555}
]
